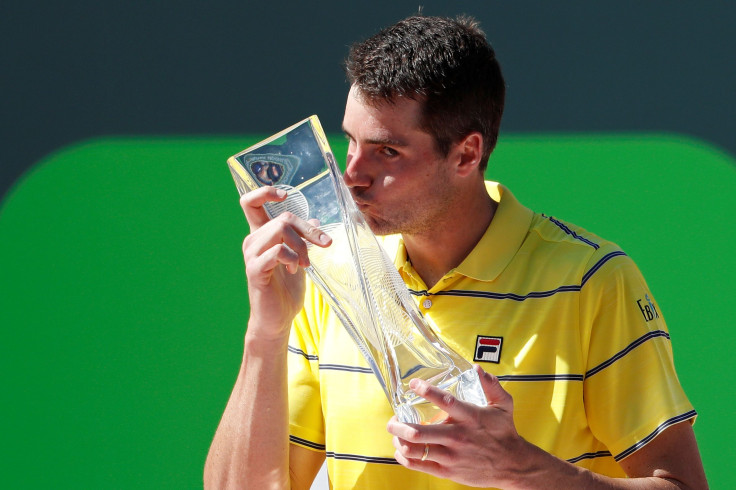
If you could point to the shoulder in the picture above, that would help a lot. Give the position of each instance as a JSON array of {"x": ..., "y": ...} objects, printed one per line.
[
  {"x": 559, "y": 244},
  {"x": 566, "y": 236}
]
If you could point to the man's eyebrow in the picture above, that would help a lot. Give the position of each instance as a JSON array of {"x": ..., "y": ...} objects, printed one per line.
[{"x": 377, "y": 141}]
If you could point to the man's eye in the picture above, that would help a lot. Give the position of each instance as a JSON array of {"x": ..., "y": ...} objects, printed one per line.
[{"x": 389, "y": 151}]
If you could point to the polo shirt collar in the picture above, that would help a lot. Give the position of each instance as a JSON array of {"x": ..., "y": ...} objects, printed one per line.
[
  {"x": 502, "y": 239},
  {"x": 497, "y": 246}
]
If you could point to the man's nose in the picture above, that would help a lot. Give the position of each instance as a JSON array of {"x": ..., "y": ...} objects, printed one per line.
[{"x": 356, "y": 169}]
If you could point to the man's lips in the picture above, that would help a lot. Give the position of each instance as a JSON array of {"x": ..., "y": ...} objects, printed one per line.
[
  {"x": 362, "y": 203},
  {"x": 364, "y": 207}
]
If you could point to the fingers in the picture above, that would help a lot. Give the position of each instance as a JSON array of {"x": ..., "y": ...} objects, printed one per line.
[
  {"x": 442, "y": 433},
  {"x": 279, "y": 240},
  {"x": 444, "y": 400},
  {"x": 418, "y": 435},
  {"x": 460, "y": 410},
  {"x": 420, "y": 451},
  {"x": 418, "y": 454},
  {"x": 410, "y": 450},
  {"x": 252, "y": 203},
  {"x": 472, "y": 437},
  {"x": 282, "y": 240},
  {"x": 278, "y": 254},
  {"x": 495, "y": 394},
  {"x": 253, "y": 206}
]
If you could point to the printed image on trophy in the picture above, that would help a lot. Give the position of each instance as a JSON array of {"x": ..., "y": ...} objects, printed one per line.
[{"x": 354, "y": 274}]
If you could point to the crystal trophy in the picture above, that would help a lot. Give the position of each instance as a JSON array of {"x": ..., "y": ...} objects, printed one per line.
[{"x": 354, "y": 274}]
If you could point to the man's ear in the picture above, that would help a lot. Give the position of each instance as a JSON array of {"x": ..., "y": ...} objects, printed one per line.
[{"x": 470, "y": 151}]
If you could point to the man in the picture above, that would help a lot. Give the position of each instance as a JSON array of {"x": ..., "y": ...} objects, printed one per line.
[{"x": 595, "y": 395}]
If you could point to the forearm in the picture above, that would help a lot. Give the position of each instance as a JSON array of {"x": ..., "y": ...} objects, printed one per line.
[
  {"x": 542, "y": 470},
  {"x": 251, "y": 446}
]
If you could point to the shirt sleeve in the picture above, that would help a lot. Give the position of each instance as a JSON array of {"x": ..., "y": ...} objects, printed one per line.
[
  {"x": 631, "y": 389},
  {"x": 306, "y": 421}
]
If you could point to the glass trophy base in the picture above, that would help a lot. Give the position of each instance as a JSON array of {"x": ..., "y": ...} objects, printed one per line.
[{"x": 417, "y": 410}]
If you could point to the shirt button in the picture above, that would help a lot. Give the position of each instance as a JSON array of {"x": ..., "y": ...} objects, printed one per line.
[{"x": 427, "y": 303}]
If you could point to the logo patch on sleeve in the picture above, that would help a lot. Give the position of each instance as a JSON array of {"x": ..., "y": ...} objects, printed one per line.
[
  {"x": 648, "y": 310},
  {"x": 488, "y": 349}
]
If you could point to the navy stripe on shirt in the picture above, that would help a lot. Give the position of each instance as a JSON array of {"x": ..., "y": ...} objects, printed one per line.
[
  {"x": 310, "y": 357},
  {"x": 568, "y": 231},
  {"x": 647, "y": 336},
  {"x": 655, "y": 433},
  {"x": 358, "y": 457},
  {"x": 530, "y": 295},
  {"x": 306, "y": 443},
  {"x": 597, "y": 454}
]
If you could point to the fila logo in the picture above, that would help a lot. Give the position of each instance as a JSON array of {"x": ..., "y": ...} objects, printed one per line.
[
  {"x": 488, "y": 349},
  {"x": 648, "y": 310}
]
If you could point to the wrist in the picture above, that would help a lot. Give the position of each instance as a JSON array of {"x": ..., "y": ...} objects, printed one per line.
[
  {"x": 268, "y": 326},
  {"x": 267, "y": 339},
  {"x": 535, "y": 468},
  {"x": 524, "y": 467}
]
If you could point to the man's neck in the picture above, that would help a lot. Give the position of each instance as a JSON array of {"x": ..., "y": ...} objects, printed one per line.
[{"x": 434, "y": 254}]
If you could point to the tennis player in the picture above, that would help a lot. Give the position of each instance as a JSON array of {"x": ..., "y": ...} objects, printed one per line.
[{"x": 571, "y": 347}]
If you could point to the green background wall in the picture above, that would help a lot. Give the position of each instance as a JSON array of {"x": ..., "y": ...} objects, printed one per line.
[
  {"x": 122, "y": 292},
  {"x": 123, "y": 298}
]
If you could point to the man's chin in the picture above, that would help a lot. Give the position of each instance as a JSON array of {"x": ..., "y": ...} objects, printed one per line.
[{"x": 379, "y": 228}]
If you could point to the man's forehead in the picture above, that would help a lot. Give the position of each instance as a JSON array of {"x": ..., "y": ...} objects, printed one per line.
[
  {"x": 387, "y": 121},
  {"x": 379, "y": 137},
  {"x": 379, "y": 102}
]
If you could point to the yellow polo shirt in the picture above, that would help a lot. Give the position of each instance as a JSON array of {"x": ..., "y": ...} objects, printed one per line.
[{"x": 561, "y": 316}]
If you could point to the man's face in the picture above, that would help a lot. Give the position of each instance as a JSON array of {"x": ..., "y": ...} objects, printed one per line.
[{"x": 395, "y": 174}]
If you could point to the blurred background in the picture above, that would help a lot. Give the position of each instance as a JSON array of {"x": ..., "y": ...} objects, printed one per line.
[
  {"x": 83, "y": 69},
  {"x": 122, "y": 294}
]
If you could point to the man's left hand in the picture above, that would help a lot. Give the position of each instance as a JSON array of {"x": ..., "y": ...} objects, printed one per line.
[{"x": 476, "y": 446}]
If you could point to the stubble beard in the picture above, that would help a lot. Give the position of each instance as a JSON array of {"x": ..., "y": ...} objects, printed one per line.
[{"x": 416, "y": 218}]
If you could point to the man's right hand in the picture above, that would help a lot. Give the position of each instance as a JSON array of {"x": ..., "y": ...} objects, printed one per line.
[{"x": 275, "y": 254}]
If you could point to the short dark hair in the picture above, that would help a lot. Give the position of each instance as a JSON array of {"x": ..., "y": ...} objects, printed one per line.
[{"x": 446, "y": 63}]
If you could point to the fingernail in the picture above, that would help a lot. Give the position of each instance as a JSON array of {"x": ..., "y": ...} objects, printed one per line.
[
  {"x": 280, "y": 192},
  {"x": 324, "y": 239},
  {"x": 413, "y": 384}
]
